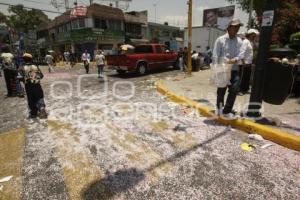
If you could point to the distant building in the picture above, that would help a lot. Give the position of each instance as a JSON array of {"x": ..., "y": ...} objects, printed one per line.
[
  {"x": 102, "y": 27},
  {"x": 135, "y": 27},
  {"x": 202, "y": 37},
  {"x": 172, "y": 36}
]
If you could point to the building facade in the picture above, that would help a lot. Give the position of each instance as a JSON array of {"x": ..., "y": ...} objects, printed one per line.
[
  {"x": 171, "y": 36},
  {"x": 135, "y": 27},
  {"x": 101, "y": 28}
]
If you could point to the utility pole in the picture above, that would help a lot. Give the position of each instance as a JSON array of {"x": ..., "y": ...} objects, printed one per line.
[
  {"x": 269, "y": 17},
  {"x": 250, "y": 14},
  {"x": 190, "y": 22},
  {"x": 67, "y": 5},
  {"x": 155, "y": 11},
  {"x": 91, "y": 1}
]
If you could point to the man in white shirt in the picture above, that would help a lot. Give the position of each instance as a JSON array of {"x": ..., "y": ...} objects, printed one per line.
[
  {"x": 86, "y": 58},
  {"x": 248, "y": 46},
  {"x": 100, "y": 62},
  {"x": 228, "y": 49},
  {"x": 49, "y": 60}
]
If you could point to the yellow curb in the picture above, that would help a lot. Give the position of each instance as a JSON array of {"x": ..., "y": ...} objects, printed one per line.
[{"x": 283, "y": 138}]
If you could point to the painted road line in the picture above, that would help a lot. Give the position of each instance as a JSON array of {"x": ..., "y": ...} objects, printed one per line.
[
  {"x": 139, "y": 153},
  {"x": 11, "y": 157},
  {"x": 79, "y": 169},
  {"x": 278, "y": 136}
]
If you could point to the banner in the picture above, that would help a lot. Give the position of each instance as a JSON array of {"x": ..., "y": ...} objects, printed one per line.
[
  {"x": 218, "y": 17},
  {"x": 78, "y": 11}
]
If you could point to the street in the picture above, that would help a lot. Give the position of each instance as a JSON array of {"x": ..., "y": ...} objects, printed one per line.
[{"x": 118, "y": 138}]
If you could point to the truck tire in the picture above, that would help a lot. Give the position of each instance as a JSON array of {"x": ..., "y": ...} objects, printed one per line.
[
  {"x": 121, "y": 71},
  {"x": 142, "y": 68}
]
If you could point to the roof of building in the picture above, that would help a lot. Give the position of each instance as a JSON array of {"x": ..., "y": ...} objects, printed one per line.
[
  {"x": 94, "y": 10},
  {"x": 163, "y": 26}
]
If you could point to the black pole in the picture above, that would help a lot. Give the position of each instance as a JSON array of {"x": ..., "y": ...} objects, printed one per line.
[{"x": 269, "y": 17}]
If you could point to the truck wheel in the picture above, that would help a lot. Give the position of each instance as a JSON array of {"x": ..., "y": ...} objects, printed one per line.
[
  {"x": 121, "y": 71},
  {"x": 142, "y": 69}
]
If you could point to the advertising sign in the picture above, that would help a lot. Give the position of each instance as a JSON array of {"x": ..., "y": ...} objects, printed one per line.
[{"x": 218, "y": 17}]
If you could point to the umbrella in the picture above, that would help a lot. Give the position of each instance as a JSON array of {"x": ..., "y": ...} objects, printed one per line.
[{"x": 125, "y": 47}]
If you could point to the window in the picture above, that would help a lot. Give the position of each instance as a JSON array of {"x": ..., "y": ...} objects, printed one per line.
[
  {"x": 74, "y": 24},
  {"x": 105, "y": 46},
  {"x": 143, "y": 49},
  {"x": 81, "y": 23},
  {"x": 78, "y": 23},
  {"x": 158, "y": 49},
  {"x": 100, "y": 23},
  {"x": 115, "y": 25}
]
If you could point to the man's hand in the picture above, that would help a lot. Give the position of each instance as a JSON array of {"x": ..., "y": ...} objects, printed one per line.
[{"x": 232, "y": 61}]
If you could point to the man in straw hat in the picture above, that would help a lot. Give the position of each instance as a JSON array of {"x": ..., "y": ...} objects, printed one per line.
[
  {"x": 34, "y": 91},
  {"x": 228, "y": 50},
  {"x": 248, "y": 49}
]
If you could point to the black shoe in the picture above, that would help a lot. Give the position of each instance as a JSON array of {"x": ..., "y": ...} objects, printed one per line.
[
  {"x": 43, "y": 114},
  {"x": 31, "y": 116}
]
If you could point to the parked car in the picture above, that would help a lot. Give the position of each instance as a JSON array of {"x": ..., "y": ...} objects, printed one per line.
[{"x": 143, "y": 59}]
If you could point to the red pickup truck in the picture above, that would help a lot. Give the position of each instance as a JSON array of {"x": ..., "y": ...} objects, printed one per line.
[{"x": 145, "y": 58}]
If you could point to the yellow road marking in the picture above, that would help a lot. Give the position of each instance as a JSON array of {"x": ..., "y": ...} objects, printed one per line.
[
  {"x": 79, "y": 169},
  {"x": 11, "y": 157}
]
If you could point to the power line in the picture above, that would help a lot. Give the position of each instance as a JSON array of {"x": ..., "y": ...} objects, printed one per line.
[{"x": 49, "y": 11}]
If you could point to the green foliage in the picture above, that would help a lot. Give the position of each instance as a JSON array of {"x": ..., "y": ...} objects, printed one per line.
[
  {"x": 295, "y": 38},
  {"x": 24, "y": 20},
  {"x": 2, "y": 18}
]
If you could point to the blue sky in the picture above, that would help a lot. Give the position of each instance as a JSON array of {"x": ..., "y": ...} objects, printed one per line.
[{"x": 172, "y": 11}]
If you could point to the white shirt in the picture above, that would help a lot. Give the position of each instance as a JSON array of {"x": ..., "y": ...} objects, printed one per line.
[
  {"x": 226, "y": 49},
  {"x": 86, "y": 57},
  {"x": 248, "y": 51},
  {"x": 49, "y": 59},
  {"x": 100, "y": 58}
]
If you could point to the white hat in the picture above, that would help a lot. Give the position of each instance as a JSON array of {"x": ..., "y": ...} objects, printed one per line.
[{"x": 250, "y": 31}]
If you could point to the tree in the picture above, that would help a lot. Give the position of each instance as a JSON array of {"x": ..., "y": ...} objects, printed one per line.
[
  {"x": 288, "y": 18},
  {"x": 2, "y": 18},
  {"x": 24, "y": 20}
]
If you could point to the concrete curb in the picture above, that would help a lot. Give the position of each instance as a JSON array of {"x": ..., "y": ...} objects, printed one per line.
[{"x": 283, "y": 138}]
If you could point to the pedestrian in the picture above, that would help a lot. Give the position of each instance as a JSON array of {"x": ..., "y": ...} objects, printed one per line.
[
  {"x": 245, "y": 69},
  {"x": 208, "y": 55},
  {"x": 10, "y": 72},
  {"x": 72, "y": 59},
  {"x": 49, "y": 60},
  {"x": 34, "y": 91},
  {"x": 185, "y": 58},
  {"x": 100, "y": 62},
  {"x": 86, "y": 58},
  {"x": 228, "y": 50},
  {"x": 180, "y": 59},
  {"x": 67, "y": 56}
]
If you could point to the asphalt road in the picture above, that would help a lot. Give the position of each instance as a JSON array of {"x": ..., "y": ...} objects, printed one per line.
[{"x": 120, "y": 139}]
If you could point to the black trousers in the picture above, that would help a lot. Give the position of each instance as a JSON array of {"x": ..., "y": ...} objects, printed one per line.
[
  {"x": 233, "y": 89},
  {"x": 10, "y": 80},
  {"x": 100, "y": 69},
  {"x": 245, "y": 74},
  {"x": 35, "y": 97},
  {"x": 86, "y": 66}
]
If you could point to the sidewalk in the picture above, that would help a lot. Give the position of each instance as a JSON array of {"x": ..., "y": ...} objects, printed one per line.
[{"x": 285, "y": 117}]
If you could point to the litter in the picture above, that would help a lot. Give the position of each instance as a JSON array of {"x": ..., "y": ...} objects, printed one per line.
[
  {"x": 5, "y": 179},
  {"x": 266, "y": 146},
  {"x": 256, "y": 137},
  {"x": 186, "y": 111},
  {"x": 248, "y": 147},
  {"x": 179, "y": 128},
  {"x": 1, "y": 187}
]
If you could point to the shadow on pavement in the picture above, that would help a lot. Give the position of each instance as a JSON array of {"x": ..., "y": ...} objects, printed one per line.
[
  {"x": 123, "y": 180},
  {"x": 113, "y": 184}
]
